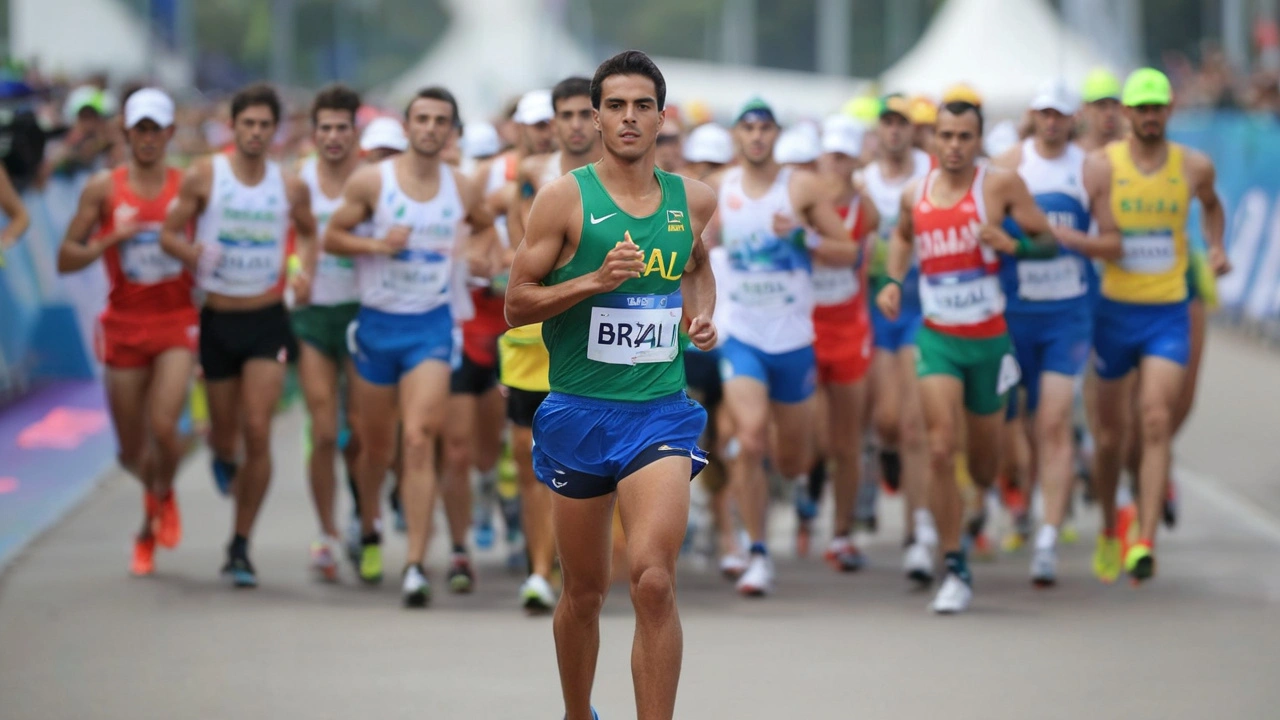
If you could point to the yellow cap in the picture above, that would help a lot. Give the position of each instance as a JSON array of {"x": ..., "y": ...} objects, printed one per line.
[
  {"x": 1101, "y": 84},
  {"x": 1147, "y": 86},
  {"x": 865, "y": 109},
  {"x": 961, "y": 92},
  {"x": 923, "y": 111}
]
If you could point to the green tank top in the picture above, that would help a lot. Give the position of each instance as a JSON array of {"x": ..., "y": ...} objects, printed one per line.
[{"x": 624, "y": 345}]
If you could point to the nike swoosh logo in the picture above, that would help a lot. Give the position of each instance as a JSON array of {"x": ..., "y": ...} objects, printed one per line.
[{"x": 596, "y": 221}]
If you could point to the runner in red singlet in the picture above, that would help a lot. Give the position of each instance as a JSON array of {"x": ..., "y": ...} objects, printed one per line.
[{"x": 147, "y": 334}]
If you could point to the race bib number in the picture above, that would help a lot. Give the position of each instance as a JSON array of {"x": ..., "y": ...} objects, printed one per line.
[
  {"x": 960, "y": 300},
  {"x": 1061, "y": 278},
  {"x": 763, "y": 290},
  {"x": 1149, "y": 253},
  {"x": 251, "y": 265},
  {"x": 834, "y": 286},
  {"x": 635, "y": 329},
  {"x": 144, "y": 262},
  {"x": 339, "y": 269},
  {"x": 416, "y": 273},
  {"x": 1009, "y": 375}
]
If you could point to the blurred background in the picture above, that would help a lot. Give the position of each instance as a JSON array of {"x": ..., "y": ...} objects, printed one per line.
[{"x": 66, "y": 63}]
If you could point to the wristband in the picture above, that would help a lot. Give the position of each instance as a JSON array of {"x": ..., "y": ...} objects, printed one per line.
[{"x": 893, "y": 281}]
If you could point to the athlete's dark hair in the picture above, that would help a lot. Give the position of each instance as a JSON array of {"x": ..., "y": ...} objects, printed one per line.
[
  {"x": 570, "y": 88},
  {"x": 435, "y": 92},
  {"x": 960, "y": 107},
  {"x": 336, "y": 97},
  {"x": 256, "y": 94},
  {"x": 630, "y": 62}
]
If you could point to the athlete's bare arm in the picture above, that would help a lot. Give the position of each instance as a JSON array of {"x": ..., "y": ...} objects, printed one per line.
[
  {"x": 812, "y": 200},
  {"x": 547, "y": 244},
  {"x": 900, "y": 248},
  {"x": 1107, "y": 244},
  {"x": 698, "y": 284},
  {"x": 1213, "y": 221},
  {"x": 304, "y": 235},
  {"x": 11, "y": 205},
  {"x": 483, "y": 239},
  {"x": 526, "y": 187},
  {"x": 78, "y": 251},
  {"x": 1007, "y": 196},
  {"x": 359, "y": 197},
  {"x": 193, "y": 196}
]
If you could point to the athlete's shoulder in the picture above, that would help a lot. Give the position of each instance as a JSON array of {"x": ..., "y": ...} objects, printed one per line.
[
  {"x": 699, "y": 196},
  {"x": 1010, "y": 158},
  {"x": 198, "y": 178},
  {"x": 562, "y": 190}
]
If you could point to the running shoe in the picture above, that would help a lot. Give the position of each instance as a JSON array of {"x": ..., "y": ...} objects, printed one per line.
[
  {"x": 864, "y": 512},
  {"x": 352, "y": 539},
  {"x": 240, "y": 571},
  {"x": 1107, "y": 558},
  {"x": 891, "y": 470},
  {"x": 1127, "y": 527},
  {"x": 1068, "y": 534},
  {"x": 371, "y": 560},
  {"x": 223, "y": 474},
  {"x": 536, "y": 595},
  {"x": 144, "y": 556},
  {"x": 732, "y": 566},
  {"x": 486, "y": 501},
  {"x": 167, "y": 522},
  {"x": 415, "y": 588},
  {"x": 842, "y": 555},
  {"x": 484, "y": 534},
  {"x": 462, "y": 578},
  {"x": 397, "y": 510},
  {"x": 324, "y": 559},
  {"x": 918, "y": 563},
  {"x": 1140, "y": 562},
  {"x": 757, "y": 580},
  {"x": 806, "y": 511},
  {"x": 1169, "y": 511},
  {"x": 953, "y": 597},
  {"x": 1044, "y": 568}
]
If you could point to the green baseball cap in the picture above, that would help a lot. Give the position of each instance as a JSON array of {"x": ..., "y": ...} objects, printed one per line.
[
  {"x": 1101, "y": 84},
  {"x": 756, "y": 109},
  {"x": 1147, "y": 86}
]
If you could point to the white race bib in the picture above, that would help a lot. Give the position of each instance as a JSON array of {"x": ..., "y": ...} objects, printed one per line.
[
  {"x": 144, "y": 262},
  {"x": 642, "y": 329},
  {"x": 1150, "y": 253},
  {"x": 951, "y": 300},
  {"x": 834, "y": 286},
  {"x": 416, "y": 274},
  {"x": 249, "y": 266},
  {"x": 1061, "y": 278},
  {"x": 763, "y": 289}
]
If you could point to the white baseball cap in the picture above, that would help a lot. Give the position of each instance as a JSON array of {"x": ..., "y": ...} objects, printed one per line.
[
  {"x": 148, "y": 104},
  {"x": 1000, "y": 138},
  {"x": 384, "y": 133},
  {"x": 480, "y": 140},
  {"x": 797, "y": 145},
  {"x": 534, "y": 107},
  {"x": 1056, "y": 95},
  {"x": 709, "y": 143},
  {"x": 842, "y": 134}
]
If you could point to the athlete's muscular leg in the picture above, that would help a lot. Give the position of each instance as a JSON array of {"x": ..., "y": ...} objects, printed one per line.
[
  {"x": 1187, "y": 397},
  {"x": 845, "y": 408},
  {"x": 1113, "y": 401},
  {"x": 459, "y": 458},
  {"x": 424, "y": 394},
  {"x": 793, "y": 440},
  {"x": 584, "y": 533},
  {"x": 491, "y": 416},
  {"x": 984, "y": 442},
  {"x": 535, "y": 505},
  {"x": 1054, "y": 444},
  {"x": 127, "y": 401},
  {"x": 942, "y": 397},
  {"x": 376, "y": 425},
  {"x": 224, "y": 417},
  {"x": 261, "y": 385},
  {"x": 913, "y": 444},
  {"x": 886, "y": 413},
  {"x": 747, "y": 401},
  {"x": 1161, "y": 383},
  {"x": 654, "y": 503},
  {"x": 319, "y": 377},
  {"x": 170, "y": 378}
]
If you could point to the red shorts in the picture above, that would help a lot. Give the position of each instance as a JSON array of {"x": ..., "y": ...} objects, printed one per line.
[
  {"x": 136, "y": 342},
  {"x": 843, "y": 342},
  {"x": 480, "y": 334}
]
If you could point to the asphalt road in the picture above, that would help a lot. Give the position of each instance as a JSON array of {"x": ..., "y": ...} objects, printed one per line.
[{"x": 81, "y": 639}]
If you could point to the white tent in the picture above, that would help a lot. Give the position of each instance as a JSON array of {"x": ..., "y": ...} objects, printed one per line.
[
  {"x": 724, "y": 88},
  {"x": 1004, "y": 48}
]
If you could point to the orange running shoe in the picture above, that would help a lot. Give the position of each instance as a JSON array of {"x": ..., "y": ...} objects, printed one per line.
[
  {"x": 144, "y": 551},
  {"x": 168, "y": 522},
  {"x": 1127, "y": 527}
]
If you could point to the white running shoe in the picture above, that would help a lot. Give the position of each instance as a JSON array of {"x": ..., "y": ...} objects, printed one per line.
[
  {"x": 324, "y": 559},
  {"x": 416, "y": 589},
  {"x": 917, "y": 563},
  {"x": 1044, "y": 567},
  {"x": 732, "y": 566},
  {"x": 536, "y": 595},
  {"x": 757, "y": 580},
  {"x": 953, "y": 597}
]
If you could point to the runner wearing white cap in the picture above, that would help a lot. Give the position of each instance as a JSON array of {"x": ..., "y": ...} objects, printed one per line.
[
  {"x": 147, "y": 333},
  {"x": 799, "y": 148},
  {"x": 707, "y": 149},
  {"x": 382, "y": 138}
]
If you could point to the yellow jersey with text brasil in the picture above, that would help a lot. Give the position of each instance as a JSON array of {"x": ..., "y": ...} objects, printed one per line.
[{"x": 1151, "y": 212}]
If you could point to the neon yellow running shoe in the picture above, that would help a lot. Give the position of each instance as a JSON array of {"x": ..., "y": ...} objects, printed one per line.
[
  {"x": 1106, "y": 559},
  {"x": 1140, "y": 562},
  {"x": 371, "y": 563},
  {"x": 1068, "y": 535}
]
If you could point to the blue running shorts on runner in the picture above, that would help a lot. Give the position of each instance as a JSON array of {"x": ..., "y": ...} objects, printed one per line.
[
  {"x": 791, "y": 376},
  {"x": 893, "y": 335},
  {"x": 1049, "y": 343},
  {"x": 386, "y": 346},
  {"x": 583, "y": 446},
  {"x": 1124, "y": 333}
]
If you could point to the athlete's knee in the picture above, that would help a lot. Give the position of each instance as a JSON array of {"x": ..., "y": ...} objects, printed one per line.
[
  {"x": 1157, "y": 420},
  {"x": 942, "y": 447},
  {"x": 417, "y": 444},
  {"x": 165, "y": 431},
  {"x": 459, "y": 455},
  {"x": 794, "y": 458},
  {"x": 584, "y": 602},
  {"x": 653, "y": 590},
  {"x": 888, "y": 423},
  {"x": 257, "y": 434},
  {"x": 753, "y": 441},
  {"x": 1054, "y": 431}
]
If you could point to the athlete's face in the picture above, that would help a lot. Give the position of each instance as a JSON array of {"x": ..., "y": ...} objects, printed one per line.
[
  {"x": 629, "y": 117},
  {"x": 148, "y": 141},
  {"x": 894, "y": 132},
  {"x": 755, "y": 139},
  {"x": 1148, "y": 121},
  {"x": 428, "y": 125},
  {"x": 1104, "y": 115},
  {"x": 958, "y": 140},
  {"x": 537, "y": 138},
  {"x": 253, "y": 129},
  {"x": 334, "y": 134},
  {"x": 573, "y": 125},
  {"x": 1052, "y": 127}
]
